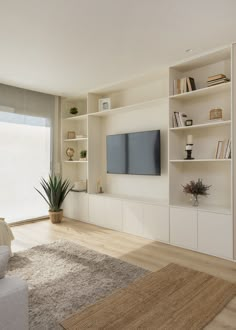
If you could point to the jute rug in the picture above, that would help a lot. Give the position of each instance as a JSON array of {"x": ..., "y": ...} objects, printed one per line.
[
  {"x": 64, "y": 277},
  {"x": 174, "y": 298}
]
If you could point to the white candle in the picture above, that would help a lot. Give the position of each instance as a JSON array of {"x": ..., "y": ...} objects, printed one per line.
[{"x": 189, "y": 139}]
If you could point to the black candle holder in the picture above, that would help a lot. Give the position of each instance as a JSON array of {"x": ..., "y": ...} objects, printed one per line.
[{"x": 189, "y": 149}]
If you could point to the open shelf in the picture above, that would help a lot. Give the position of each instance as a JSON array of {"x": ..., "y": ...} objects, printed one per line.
[
  {"x": 80, "y": 117},
  {"x": 208, "y": 125},
  {"x": 203, "y": 91},
  {"x": 127, "y": 108},
  {"x": 206, "y": 208},
  {"x": 76, "y": 139},
  {"x": 75, "y": 161},
  {"x": 198, "y": 160},
  {"x": 140, "y": 199}
]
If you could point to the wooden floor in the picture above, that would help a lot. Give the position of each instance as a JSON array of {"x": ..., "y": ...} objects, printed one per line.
[{"x": 139, "y": 251}]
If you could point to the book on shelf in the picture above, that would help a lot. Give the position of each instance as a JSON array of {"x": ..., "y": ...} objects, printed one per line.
[
  {"x": 179, "y": 119},
  {"x": 183, "y": 85},
  {"x": 216, "y": 76},
  {"x": 217, "y": 82},
  {"x": 227, "y": 154},
  {"x": 217, "y": 79},
  {"x": 223, "y": 149}
]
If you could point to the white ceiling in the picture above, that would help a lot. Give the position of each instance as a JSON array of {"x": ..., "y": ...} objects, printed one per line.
[{"x": 66, "y": 47}]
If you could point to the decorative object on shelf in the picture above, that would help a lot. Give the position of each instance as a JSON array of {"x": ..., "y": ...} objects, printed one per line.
[
  {"x": 196, "y": 189},
  {"x": 223, "y": 150},
  {"x": 189, "y": 147},
  {"x": 188, "y": 122},
  {"x": 183, "y": 85},
  {"x": 80, "y": 185},
  {"x": 99, "y": 186},
  {"x": 6, "y": 235},
  {"x": 216, "y": 114},
  {"x": 179, "y": 119},
  {"x": 74, "y": 111},
  {"x": 70, "y": 153},
  {"x": 55, "y": 192},
  {"x": 104, "y": 104},
  {"x": 83, "y": 155},
  {"x": 217, "y": 79},
  {"x": 71, "y": 135}
]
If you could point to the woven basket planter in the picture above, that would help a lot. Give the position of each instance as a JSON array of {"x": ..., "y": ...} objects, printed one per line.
[{"x": 56, "y": 217}]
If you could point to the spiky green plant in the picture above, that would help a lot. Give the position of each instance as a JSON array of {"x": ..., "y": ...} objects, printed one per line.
[{"x": 55, "y": 191}]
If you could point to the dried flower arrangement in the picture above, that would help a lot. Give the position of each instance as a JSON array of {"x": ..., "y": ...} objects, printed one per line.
[{"x": 195, "y": 189}]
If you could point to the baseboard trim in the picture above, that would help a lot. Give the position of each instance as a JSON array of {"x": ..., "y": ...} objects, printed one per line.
[{"x": 27, "y": 221}]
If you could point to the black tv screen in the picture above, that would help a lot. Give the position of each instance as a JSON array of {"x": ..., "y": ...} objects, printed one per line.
[{"x": 134, "y": 153}]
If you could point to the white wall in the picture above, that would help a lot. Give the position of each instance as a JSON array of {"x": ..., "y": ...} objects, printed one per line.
[{"x": 155, "y": 117}]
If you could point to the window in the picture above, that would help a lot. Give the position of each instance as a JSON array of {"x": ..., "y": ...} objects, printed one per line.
[{"x": 26, "y": 127}]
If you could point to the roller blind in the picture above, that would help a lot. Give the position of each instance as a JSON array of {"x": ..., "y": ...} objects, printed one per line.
[{"x": 26, "y": 149}]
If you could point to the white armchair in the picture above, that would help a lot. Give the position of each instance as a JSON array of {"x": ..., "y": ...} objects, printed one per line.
[{"x": 13, "y": 298}]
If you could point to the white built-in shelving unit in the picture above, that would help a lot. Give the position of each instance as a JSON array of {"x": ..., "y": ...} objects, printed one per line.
[
  {"x": 197, "y": 105},
  {"x": 155, "y": 207},
  {"x": 76, "y": 169}
]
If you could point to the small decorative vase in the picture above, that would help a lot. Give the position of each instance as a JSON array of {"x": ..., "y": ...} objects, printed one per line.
[{"x": 195, "y": 200}]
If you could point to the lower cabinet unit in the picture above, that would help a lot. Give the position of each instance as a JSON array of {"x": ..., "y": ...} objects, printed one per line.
[
  {"x": 156, "y": 222},
  {"x": 183, "y": 227},
  {"x": 215, "y": 234},
  {"x": 186, "y": 227}
]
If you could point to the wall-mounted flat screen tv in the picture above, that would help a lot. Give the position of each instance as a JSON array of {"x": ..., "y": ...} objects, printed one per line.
[{"x": 134, "y": 153}]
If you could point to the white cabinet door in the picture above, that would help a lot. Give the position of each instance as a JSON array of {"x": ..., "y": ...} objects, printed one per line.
[
  {"x": 133, "y": 218},
  {"x": 113, "y": 210},
  {"x": 69, "y": 206},
  {"x": 156, "y": 222},
  {"x": 215, "y": 233},
  {"x": 183, "y": 227},
  {"x": 81, "y": 207},
  {"x": 76, "y": 206},
  {"x": 97, "y": 210}
]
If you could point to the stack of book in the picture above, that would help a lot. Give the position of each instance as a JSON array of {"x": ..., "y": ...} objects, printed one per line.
[
  {"x": 179, "y": 119},
  {"x": 217, "y": 79},
  {"x": 223, "y": 150},
  {"x": 184, "y": 85}
]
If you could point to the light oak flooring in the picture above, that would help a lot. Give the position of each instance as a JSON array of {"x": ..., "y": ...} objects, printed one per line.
[{"x": 139, "y": 251}]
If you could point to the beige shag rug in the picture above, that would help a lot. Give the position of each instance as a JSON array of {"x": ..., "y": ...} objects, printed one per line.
[
  {"x": 174, "y": 298},
  {"x": 64, "y": 277}
]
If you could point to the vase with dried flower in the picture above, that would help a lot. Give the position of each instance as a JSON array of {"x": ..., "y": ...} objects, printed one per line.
[{"x": 196, "y": 189}]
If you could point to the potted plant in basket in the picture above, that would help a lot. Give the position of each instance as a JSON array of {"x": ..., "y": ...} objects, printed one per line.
[
  {"x": 74, "y": 111},
  {"x": 83, "y": 155},
  {"x": 195, "y": 189},
  {"x": 55, "y": 191}
]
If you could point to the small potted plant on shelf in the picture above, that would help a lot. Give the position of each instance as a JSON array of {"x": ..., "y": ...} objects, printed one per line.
[
  {"x": 196, "y": 189},
  {"x": 83, "y": 154},
  {"x": 55, "y": 191},
  {"x": 73, "y": 111}
]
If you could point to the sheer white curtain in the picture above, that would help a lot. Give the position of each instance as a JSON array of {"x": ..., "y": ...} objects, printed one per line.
[{"x": 26, "y": 131}]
